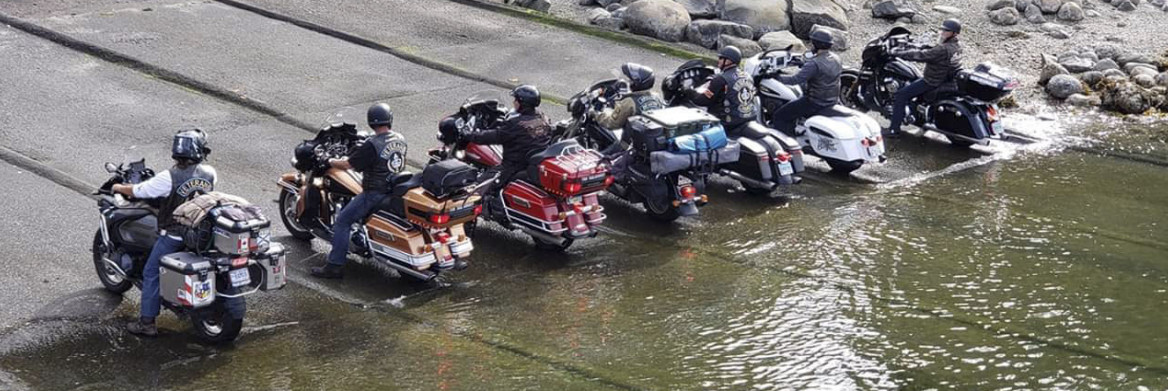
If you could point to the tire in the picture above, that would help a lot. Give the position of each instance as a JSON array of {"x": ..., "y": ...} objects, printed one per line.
[
  {"x": 215, "y": 325},
  {"x": 550, "y": 246},
  {"x": 288, "y": 202},
  {"x": 112, "y": 282},
  {"x": 664, "y": 213},
  {"x": 841, "y": 167},
  {"x": 959, "y": 143},
  {"x": 847, "y": 79}
]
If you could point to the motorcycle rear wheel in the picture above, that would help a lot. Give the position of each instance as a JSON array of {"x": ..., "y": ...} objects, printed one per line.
[
  {"x": 288, "y": 202},
  {"x": 216, "y": 325},
  {"x": 110, "y": 279},
  {"x": 664, "y": 213}
]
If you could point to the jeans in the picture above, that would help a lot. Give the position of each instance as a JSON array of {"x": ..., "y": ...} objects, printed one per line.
[
  {"x": 355, "y": 212},
  {"x": 784, "y": 118},
  {"x": 151, "y": 301},
  {"x": 903, "y": 97}
]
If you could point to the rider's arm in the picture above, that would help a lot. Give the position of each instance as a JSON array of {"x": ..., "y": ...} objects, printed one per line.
[
  {"x": 712, "y": 93},
  {"x": 155, "y": 187},
  {"x": 808, "y": 71},
  {"x": 361, "y": 158},
  {"x": 490, "y": 136},
  {"x": 934, "y": 54},
  {"x": 616, "y": 118}
]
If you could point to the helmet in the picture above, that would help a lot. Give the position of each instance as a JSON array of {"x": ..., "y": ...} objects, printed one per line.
[
  {"x": 640, "y": 76},
  {"x": 822, "y": 40},
  {"x": 527, "y": 96},
  {"x": 190, "y": 144},
  {"x": 379, "y": 115},
  {"x": 448, "y": 130},
  {"x": 952, "y": 25},
  {"x": 730, "y": 53}
]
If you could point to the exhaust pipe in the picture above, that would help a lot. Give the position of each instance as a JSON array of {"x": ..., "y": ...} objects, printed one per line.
[
  {"x": 559, "y": 241},
  {"x": 753, "y": 182},
  {"x": 421, "y": 275}
]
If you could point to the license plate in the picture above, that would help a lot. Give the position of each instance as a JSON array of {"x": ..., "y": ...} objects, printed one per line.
[
  {"x": 998, "y": 127},
  {"x": 575, "y": 200},
  {"x": 240, "y": 277},
  {"x": 786, "y": 169}
]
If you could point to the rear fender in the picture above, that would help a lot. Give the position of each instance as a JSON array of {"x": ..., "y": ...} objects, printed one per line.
[{"x": 838, "y": 128}]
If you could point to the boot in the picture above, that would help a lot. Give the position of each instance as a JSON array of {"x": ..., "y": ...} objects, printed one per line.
[
  {"x": 328, "y": 271},
  {"x": 144, "y": 326}
]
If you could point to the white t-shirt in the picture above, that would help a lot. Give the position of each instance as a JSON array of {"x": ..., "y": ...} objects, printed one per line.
[{"x": 160, "y": 185}]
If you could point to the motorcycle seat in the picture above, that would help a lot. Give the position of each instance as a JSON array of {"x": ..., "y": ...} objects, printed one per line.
[
  {"x": 402, "y": 183},
  {"x": 556, "y": 149},
  {"x": 751, "y": 130},
  {"x": 943, "y": 92},
  {"x": 836, "y": 111},
  {"x": 392, "y": 207}
]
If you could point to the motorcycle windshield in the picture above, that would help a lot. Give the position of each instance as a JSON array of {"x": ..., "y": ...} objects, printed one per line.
[
  {"x": 347, "y": 116},
  {"x": 487, "y": 97}
]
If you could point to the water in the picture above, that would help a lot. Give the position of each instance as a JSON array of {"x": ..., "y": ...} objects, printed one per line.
[{"x": 1040, "y": 268}]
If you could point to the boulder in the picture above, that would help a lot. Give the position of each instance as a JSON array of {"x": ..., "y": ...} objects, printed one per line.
[
  {"x": 1050, "y": 69},
  {"x": 1077, "y": 64},
  {"x": 614, "y": 7},
  {"x": 1058, "y": 34},
  {"x": 663, "y": 19},
  {"x": 1049, "y": 6},
  {"x": 1162, "y": 79},
  {"x": 1125, "y": 5},
  {"x": 699, "y": 8},
  {"x": 1127, "y": 98},
  {"x": 946, "y": 9},
  {"x": 996, "y": 5},
  {"x": 1132, "y": 66},
  {"x": 1063, "y": 86},
  {"x": 808, "y": 13},
  {"x": 1091, "y": 78},
  {"x": 1143, "y": 71},
  {"x": 1070, "y": 12},
  {"x": 607, "y": 3},
  {"x": 706, "y": 32},
  {"x": 1034, "y": 14},
  {"x": 1021, "y": 5},
  {"x": 1084, "y": 100},
  {"x": 1089, "y": 54},
  {"x": 538, "y": 5},
  {"x": 892, "y": 9},
  {"x": 1145, "y": 80},
  {"x": 1108, "y": 51},
  {"x": 586, "y": 2},
  {"x": 1124, "y": 59},
  {"x": 1005, "y": 16},
  {"x": 611, "y": 23},
  {"x": 597, "y": 14},
  {"x": 747, "y": 46},
  {"x": 1106, "y": 64},
  {"x": 780, "y": 40},
  {"x": 763, "y": 15},
  {"x": 1114, "y": 72},
  {"x": 839, "y": 37}
]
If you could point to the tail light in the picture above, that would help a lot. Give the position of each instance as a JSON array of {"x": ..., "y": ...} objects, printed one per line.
[
  {"x": 238, "y": 262},
  {"x": 608, "y": 180},
  {"x": 784, "y": 157},
  {"x": 688, "y": 191},
  {"x": 572, "y": 187},
  {"x": 442, "y": 237},
  {"x": 478, "y": 209},
  {"x": 439, "y": 218},
  {"x": 992, "y": 113}
]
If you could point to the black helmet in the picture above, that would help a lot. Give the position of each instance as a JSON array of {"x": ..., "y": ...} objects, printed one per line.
[
  {"x": 191, "y": 145},
  {"x": 822, "y": 40},
  {"x": 379, "y": 115},
  {"x": 951, "y": 25},
  {"x": 730, "y": 53},
  {"x": 640, "y": 76},
  {"x": 448, "y": 130},
  {"x": 527, "y": 96}
]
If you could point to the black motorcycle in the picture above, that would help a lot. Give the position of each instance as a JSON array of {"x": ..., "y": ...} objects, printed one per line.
[
  {"x": 670, "y": 183},
  {"x": 966, "y": 112},
  {"x": 230, "y": 255}
]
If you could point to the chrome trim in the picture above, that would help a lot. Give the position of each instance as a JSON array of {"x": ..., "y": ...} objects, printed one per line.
[
  {"x": 395, "y": 254},
  {"x": 288, "y": 186},
  {"x": 462, "y": 247}
]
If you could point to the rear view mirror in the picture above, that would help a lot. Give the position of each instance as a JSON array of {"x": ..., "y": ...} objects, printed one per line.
[{"x": 111, "y": 168}]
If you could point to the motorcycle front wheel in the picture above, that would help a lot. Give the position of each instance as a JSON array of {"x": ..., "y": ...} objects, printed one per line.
[
  {"x": 288, "y": 201},
  {"x": 110, "y": 279},
  {"x": 848, "y": 97},
  {"x": 215, "y": 325}
]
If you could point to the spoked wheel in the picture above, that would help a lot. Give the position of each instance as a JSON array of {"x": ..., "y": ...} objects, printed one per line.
[
  {"x": 841, "y": 167},
  {"x": 288, "y": 201},
  {"x": 216, "y": 325},
  {"x": 110, "y": 279},
  {"x": 661, "y": 210},
  {"x": 543, "y": 244}
]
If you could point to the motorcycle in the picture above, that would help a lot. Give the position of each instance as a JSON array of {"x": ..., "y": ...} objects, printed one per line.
[
  {"x": 230, "y": 255},
  {"x": 555, "y": 201},
  {"x": 842, "y": 137},
  {"x": 667, "y": 179},
  {"x": 418, "y": 230},
  {"x": 966, "y": 113},
  {"x": 768, "y": 158}
]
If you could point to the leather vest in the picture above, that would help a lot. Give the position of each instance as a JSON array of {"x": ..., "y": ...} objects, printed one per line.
[
  {"x": 738, "y": 103},
  {"x": 185, "y": 183},
  {"x": 646, "y": 101},
  {"x": 824, "y": 87}
]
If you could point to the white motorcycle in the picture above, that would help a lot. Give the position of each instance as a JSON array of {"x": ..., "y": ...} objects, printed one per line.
[{"x": 842, "y": 137}]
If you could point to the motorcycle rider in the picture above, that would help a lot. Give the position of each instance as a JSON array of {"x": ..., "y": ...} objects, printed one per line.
[
  {"x": 524, "y": 131},
  {"x": 730, "y": 95},
  {"x": 941, "y": 65},
  {"x": 639, "y": 100},
  {"x": 188, "y": 177},
  {"x": 377, "y": 158},
  {"x": 821, "y": 73}
]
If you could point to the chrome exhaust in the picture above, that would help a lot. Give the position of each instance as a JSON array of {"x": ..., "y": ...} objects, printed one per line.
[{"x": 559, "y": 241}]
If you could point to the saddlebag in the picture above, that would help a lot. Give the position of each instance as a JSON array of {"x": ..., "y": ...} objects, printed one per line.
[
  {"x": 664, "y": 162},
  {"x": 445, "y": 177},
  {"x": 223, "y": 223},
  {"x": 275, "y": 269},
  {"x": 573, "y": 173},
  {"x": 187, "y": 280},
  {"x": 656, "y": 130},
  {"x": 986, "y": 83}
]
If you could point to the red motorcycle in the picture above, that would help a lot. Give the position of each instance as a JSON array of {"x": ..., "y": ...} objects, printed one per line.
[{"x": 555, "y": 201}]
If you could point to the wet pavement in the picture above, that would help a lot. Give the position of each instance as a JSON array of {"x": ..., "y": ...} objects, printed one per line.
[{"x": 1019, "y": 266}]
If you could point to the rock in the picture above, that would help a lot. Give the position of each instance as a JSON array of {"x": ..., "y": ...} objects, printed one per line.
[
  {"x": 808, "y": 13},
  {"x": 1084, "y": 100},
  {"x": 1108, "y": 51},
  {"x": 1063, "y": 86},
  {"x": 699, "y": 8},
  {"x": 1050, "y": 69},
  {"x": 706, "y": 32},
  {"x": 608, "y": 3},
  {"x": 1034, "y": 14},
  {"x": 1145, "y": 80},
  {"x": 611, "y": 23},
  {"x": 747, "y": 46},
  {"x": 1124, "y": 59},
  {"x": 597, "y": 14},
  {"x": 1077, "y": 64},
  {"x": 780, "y": 40},
  {"x": 614, "y": 7},
  {"x": 1092, "y": 13},
  {"x": 1162, "y": 79},
  {"x": 1125, "y": 5},
  {"x": 1131, "y": 66},
  {"x": 996, "y": 5},
  {"x": 1114, "y": 72},
  {"x": 1091, "y": 78},
  {"x": 1055, "y": 30},
  {"x": 1106, "y": 64},
  {"x": 1090, "y": 55},
  {"x": 763, "y": 15},
  {"x": 839, "y": 37},
  {"x": 1127, "y": 98},
  {"x": 1058, "y": 34},
  {"x": 949, "y": 10},
  {"x": 663, "y": 19},
  {"x": 618, "y": 12},
  {"x": 1005, "y": 16},
  {"x": 1049, "y": 6},
  {"x": 538, "y": 5},
  {"x": 1021, "y": 5},
  {"x": 1143, "y": 71},
  {"x": 586, "y": 2},
  {"x": 892, "y": 10},
  {"x": 920, "y": 19},
  {"x": 1070, "y": 12}
]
